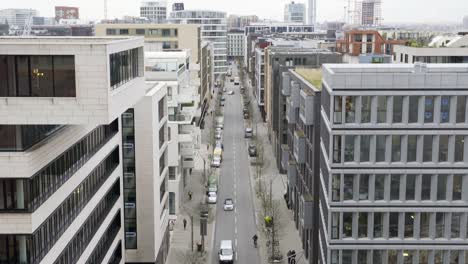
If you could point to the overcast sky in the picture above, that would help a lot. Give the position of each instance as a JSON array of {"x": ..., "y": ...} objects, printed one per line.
[{"x": 393, "y": 10}]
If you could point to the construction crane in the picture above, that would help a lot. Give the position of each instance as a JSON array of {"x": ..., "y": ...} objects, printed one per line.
[{"x": 28, "y": 25}]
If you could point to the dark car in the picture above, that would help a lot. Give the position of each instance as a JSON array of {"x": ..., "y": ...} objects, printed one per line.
[{"x": 252, "y": 150}]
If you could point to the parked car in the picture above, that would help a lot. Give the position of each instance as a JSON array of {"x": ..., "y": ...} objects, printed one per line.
[
  {"x": 252, "y": 150},
  {"x": 246, "y": 115},
  {"x": 216, "y": 162},
  {"x": 223, "y": 99},
  {"x": 218, "y": 134},
  {"x": 248, "y": 133},
  {"x": 228, "y": 204},
  {"x": 230, "y": 92},
  {"x": 221, "y": 103},
  {"x": 211, "y": 198}
]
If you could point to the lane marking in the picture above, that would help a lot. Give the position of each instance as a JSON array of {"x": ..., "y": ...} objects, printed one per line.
[
  {"x": 236, "y": 242},
  {"x": 235, "y": 230}
]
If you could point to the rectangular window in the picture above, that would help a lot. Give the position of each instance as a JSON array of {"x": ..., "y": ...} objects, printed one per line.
[
  {"x": 378, "y": 224},
  {"x": 64, "y": 76},
  {"x": 364, "y": 187},
  {"x": 362, "y": 257},
  {"x": 23, "y": 76},
  {"x": 336, "y": 187},
  {"x": 461, "y": 109},
  {"x": 409, "y": 225},
  {"x": 393, "y": 225},
  {"x": 397, "y": 109},
  {"x": 366, "y": 108},
  {"x": 362, "y": 229},
  {"x": 378, "y": 256},
  {"x": 410, "y": 187},
  {"x": 338, "y": 110},
  {"x": 335, "y": 222},
  {"x": 425, "y": 225},
  {"x": 395, "y": 187},
  {"x": 348, "y": 187},
  {"x": 365, "y": 148},
  {"x": 347, "y": 225},
  {"x": 412, "y": 148},
  {"x": 381, "y": 142},
  {"x": 381, "y": 109},
  {"x": 442, "y": 187},
  {"x": 427, "y": 150},
  {"x": 350, "y": 109},
  {"x": 140, "y": 31},
  {"x": 459, "y": 148},
  {"x": 396, "y": 148},
  {"x": 456, "y": 225},
  {"x": 349, "y": 148},
  {"x": 379, "y": 187},
  {"x": 347, "y": 257},
  {"x": 337, "y": 149},
  {"x": 426, "y": 187},
  {"x": 429, "y": 109},
  {"x": 445, "y": 109},
  {"x": 457, "y": 187},
  {"x": 443, "y": 148},
  {"x": 413, "y": 109},
  {"x": 41, "y": 76},
  {"x": 440, "y": 225},
  {"x": 124, "y": 66}
]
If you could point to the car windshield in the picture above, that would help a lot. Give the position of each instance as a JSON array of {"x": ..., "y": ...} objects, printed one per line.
[
  {"x": 211, "y": 194},
  {"x": 228, "y": 202},
  {"x": 226, "y": 252}
]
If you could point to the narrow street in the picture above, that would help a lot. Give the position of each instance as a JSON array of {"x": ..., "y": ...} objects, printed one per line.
[{"x": 238, "y": 225}]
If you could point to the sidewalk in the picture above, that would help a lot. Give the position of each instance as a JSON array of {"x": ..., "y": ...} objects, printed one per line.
[
  {"x": 289, "y": 237},
  {"x": 180, "y": 239}
]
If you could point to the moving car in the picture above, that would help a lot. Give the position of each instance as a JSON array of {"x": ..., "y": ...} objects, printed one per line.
[
  {"x": 226, "y": 252},
  {"x": 248, "y": 132},
  {"x": 216, "y": 162},
  {"x": 252, "y": 150},
  {"x": 228, "y": 204},
  {"x": 211, "y": 198},
  {"x": 218, "y": 134},
  {"x": 236, "y": 81}
]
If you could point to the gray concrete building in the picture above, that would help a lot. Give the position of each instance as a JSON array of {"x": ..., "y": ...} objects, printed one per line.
[{"x": 405, "y": 54}]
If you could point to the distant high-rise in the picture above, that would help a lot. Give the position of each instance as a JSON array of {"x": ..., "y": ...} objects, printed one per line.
[
  {"x": 465, "y": 22},
  {"x": 312, "y": 12},
  {"x": 371, "y": 12},
  {"x": 156, "y": 11},
  {"x": 16, "y": 17},
  {"x": 178, "y": 7},
  {"x": 295, "y": 12},
  {"x": 66, "y": 12}
]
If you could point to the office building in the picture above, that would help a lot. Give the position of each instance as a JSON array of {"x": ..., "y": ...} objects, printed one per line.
[
  {"x": 371, "y": 13},
  {"x": 312, "y": 12},
  {"x": 17, "y": 17},
  {"x": 239, "y": 22},
  {"x": 154, "y": 11},
  {"x": 66, "y": 12},
  {"x": 178, "y": 6},
  {"x": 406, "y": 54},
  {"x": 61, "y": 197},
  {"x": 235, "y": 44},
  {"x": 295, "y": 13},
  {"x": 213, "y": 29},
  {"x": 393, "y": 182}
]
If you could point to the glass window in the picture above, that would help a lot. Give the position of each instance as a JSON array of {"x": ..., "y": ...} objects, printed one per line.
[
  {"x": 379, "y": 187},
  {"x": 426, "y": 187},
  {"x": 364, "y": 187},
  {"x": 335, "y": 225},
  {"x": 338, "y": 110},
  {"x": 457, "y": 187},
  {"x": 334, "y": 257},
  {"x": 378, "y": 224},
  {"x": 443, "y": 148},
  {"x": 395, "y": 187},
  {"x": 336, "y": 187},
  {"x": 123, "y": 67},
  {"x": 442, "y": 187},
  {"x": 41, "y": 76},
  {"x": 381, "y": 142},
  {"x": 440, "y": 225},
  {"x": 427, "y": 152},
  {"x": 64, "y": 76},
  {"x": 396, "y": 148},
  {"x": 413, "y": 109},
  {"x": 362, "y": 229},
  {"x": 445, "y": 109},
  {"x": 423, "y": 257},
  {"x": 366, "y": 108},
  {"x": 378, "y": 256},
  {"x": 408, "y": 256},
  {"x": 455, "y": 225},
  {"x": 397, "y": 109},
  {"x": 347, "y": 257},
  {"x": 392, "y": 256},
  {"x": 362, "y": 257},
  {"x": 337, "y": 149},
  {"x": 349, "y": 148},
  {"x": 410, "y": 187},
  {"x": 365, "y": 148},
  {"x": 350, "y": 109},
  {"x": 412, "y": 148},
  {"x": 348, "y": 186},
  {"x": 429, "y": 109},
  {"x": 22, "y": 76},
  {"x": 455, "y": 256},
  {"x": 461, "y": 109},
  {"x": 393, "y": 225},
  {"x": 425, "y": 225},
  {"x": 140, "y": 31},
  {"x": 409, "y": 225},
  {"x": 381, "y": 109},
  {"x": 347, "y": 225},
  {"x": 459, "y": 148}
]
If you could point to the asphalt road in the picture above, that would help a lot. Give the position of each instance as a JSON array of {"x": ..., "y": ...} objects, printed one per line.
[{"x": 238, "y": 225}]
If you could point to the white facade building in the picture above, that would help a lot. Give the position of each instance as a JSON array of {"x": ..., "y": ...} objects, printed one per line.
[
  {"x": 183, "y": 102},
  {"x": 235, "y": 46},
  {"x": 260, "y": 76},
  {"x": 16, "y": 17},
  {"x": 295, "y": 13},
  {"x": 312, "y": 12},
  {"x": 155, "y": 11},
  {"x": 213, "y": 29}
]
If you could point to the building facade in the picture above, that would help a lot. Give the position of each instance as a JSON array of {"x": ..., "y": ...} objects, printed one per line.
[
  {"x": 295, "y": 13},
  {"x": 16, "y": 17},
  {"x": 312, "y": 12},
  {"x": 213, "y": 29},
  {"x": 66, "y": 12},
  {"x": 155, "y": 11},
  {"x": 393, "y": 168},
  {"x": 406, "y": 54},
  {"x": 239, "y": 22},
  {"x": 235, "y": 44}
]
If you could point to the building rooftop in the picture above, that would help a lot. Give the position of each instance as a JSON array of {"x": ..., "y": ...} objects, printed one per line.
[
  {"x": 65, "y": 40},
  {"x": 313, "y": 76}
]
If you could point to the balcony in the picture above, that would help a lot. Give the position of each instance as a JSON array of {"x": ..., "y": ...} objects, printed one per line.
[
  {"x": 299, "y": 146},
  {"x": 306, "y": 110},
  {"x": 307, "y": 210},
  {"x": 290, "y": 114},
  {"x": 286, "y": 89},
  {"x": 181, "y": 118},
  {"x": 284, "y": 157},
  {"x": 188, "y": 163},
  {"x": 186, "y": 149},
  {"x": 185, "y": 138},
  {"x": 292, "y": 173}
]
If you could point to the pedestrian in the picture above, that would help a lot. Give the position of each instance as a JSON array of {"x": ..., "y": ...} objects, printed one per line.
[
  {"x": 185, "y": 223},
  {"x": 190, "y": 195}
]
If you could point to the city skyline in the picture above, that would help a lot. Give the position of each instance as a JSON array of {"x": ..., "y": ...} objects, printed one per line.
[{"x": 447, "y": 11}]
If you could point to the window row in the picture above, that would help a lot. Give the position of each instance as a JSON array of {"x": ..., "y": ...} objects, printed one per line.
[
  {"x": 72, "y": 252},
  {"x": 29, "y": 194},
  {"x": 105, "y": 242},
  {"x": 124, "y": 67},
  {"x": 22, "y": 137},
  {"x": 400, "y": 109},
  {"x": 57, "y": 223},
  {"x": 399, "y": 187},
  {"x": 399, "y": 148},
  {"x": 398, "y": 257},
  {"x": 37, "y": 76},
  {"x": 388, "y": 225}
]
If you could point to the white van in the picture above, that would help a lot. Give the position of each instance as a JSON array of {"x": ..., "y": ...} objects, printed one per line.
[
  {"x": 226, "y": 253},
  {"x": 236, "y": 81}
]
